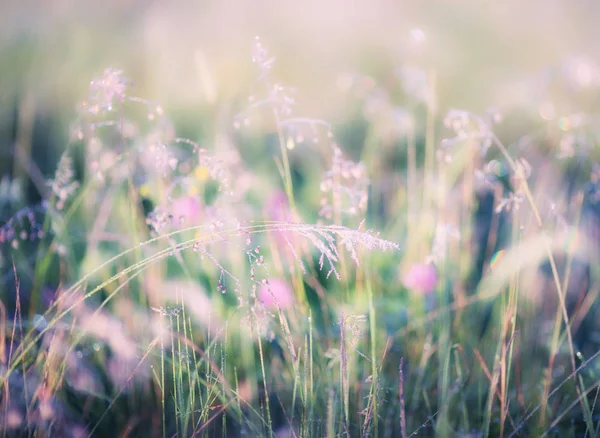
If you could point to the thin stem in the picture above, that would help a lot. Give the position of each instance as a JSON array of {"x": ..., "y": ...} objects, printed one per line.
[{"x": 551, "y": 258}]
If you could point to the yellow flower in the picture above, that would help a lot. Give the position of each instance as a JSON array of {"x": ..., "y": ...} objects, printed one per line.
[
  {"x": 193, "y": 191},
  {"x": 145, "y": 190},
  {"x": 201, "y": 173}
]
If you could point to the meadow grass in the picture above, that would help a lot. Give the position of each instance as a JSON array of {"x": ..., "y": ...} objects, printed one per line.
[{"x": 167, "y": 288}]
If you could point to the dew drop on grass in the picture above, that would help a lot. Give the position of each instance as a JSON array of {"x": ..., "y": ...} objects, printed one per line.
[
  {"x": 290, "y": 143},
  {"x": 39, "y": 322}
]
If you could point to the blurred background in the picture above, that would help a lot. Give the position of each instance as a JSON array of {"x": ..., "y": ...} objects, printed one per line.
[
  {"x": 384, "y": 74},
  {"x": 195, "y": 57}
]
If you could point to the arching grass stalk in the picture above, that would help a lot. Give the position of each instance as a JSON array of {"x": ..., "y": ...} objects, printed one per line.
[
  {"x": 116, "y": 397},
  {"x": 139, "y": 266},
  {"x": 28, "y": 344},
  {"x": 556, "y": 338},
  {"x": 176, "y": 373},
  {"x": 561, "y": 416},
  {"x": 142, "y": 267},
  {"x": 213, "y": 237},
  {"x": 555, "y": 390},
  {"x": 559, "y": 289}
]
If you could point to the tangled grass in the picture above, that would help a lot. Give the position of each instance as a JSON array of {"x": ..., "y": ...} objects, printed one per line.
[{"x": 165, "y": 288}]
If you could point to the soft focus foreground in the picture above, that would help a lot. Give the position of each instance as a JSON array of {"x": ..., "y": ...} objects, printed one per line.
[{"x": 382, "y": 220}]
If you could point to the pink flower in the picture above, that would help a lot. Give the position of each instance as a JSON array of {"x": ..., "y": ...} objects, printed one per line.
[
  {"x": 276, "y": 292},
  {"x": 421, "y": 277},
  {"x": 185, "y": 210}
]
